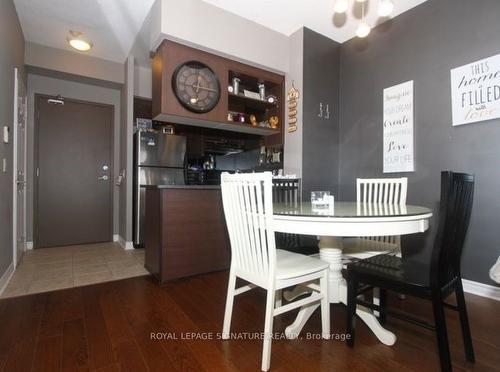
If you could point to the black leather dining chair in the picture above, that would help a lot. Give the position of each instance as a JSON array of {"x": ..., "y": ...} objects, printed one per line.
[{"x": 434, "y": 282}]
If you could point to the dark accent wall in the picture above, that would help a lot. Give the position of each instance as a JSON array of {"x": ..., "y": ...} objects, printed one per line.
[
  {"x": 320, "y": 160},
  {"x": 11, "y": 56},
  {"x": 423, "y": 44}
]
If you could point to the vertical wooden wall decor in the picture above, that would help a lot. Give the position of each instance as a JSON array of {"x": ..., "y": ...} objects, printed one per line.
[{"x": 293, "y": 95}]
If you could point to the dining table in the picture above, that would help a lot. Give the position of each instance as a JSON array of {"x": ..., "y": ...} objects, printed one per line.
[{"x": 336, "y": 221}]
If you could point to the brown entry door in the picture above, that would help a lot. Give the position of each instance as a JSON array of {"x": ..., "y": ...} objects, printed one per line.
[{"x": 74, "y": 173}]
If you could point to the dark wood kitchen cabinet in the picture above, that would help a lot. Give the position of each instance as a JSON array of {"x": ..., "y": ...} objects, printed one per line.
[
  {"x": 185, "y": 231},
  {"x": 167, "y": 108}
]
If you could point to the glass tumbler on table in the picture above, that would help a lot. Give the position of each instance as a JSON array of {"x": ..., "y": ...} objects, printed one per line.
[{"x": 320, "y": 199}]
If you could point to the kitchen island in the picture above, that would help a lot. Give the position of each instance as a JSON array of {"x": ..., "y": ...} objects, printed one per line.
[{"x": 185, "y": 231}]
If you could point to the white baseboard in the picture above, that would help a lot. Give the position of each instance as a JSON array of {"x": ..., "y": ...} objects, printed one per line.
[
  {"x": 116, "y": 237},
  {"x": 481, "y": 289},
  {"x": 4, "y": 280},
  {"x": 29, "y": 246},
  {"x": 125, "y": 245}
]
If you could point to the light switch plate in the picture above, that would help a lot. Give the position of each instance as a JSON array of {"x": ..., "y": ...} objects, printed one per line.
[
  {"x": 6, "y": 134},
  {"x": 4, "y": 165}
]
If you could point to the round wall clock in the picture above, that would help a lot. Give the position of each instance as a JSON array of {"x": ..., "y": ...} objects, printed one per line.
[{"x": 196, "y": 86}]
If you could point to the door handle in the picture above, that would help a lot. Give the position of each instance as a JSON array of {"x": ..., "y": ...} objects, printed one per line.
[{"x": 104, "y": 178}]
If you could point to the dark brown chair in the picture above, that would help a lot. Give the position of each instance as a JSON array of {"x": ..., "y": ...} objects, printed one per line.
[{"x": 434, "y": 282}]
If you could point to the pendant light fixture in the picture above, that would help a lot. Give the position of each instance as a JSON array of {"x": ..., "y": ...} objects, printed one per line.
[
  {"x": 385, "y": 9},
  {"x": 341, "y": 6},
  {"x": 363, "y": 28}
]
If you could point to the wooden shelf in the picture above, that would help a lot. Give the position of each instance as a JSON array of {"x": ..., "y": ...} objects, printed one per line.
[
  {"x": 167, "y": 108},
  {"x": 230, "y": 126},
  {"x": 255, "y": 104},
  {"x": 248, "y": 128}
]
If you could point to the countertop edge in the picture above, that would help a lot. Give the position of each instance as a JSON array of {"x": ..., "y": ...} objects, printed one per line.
[{"x": 183, "y": 187}]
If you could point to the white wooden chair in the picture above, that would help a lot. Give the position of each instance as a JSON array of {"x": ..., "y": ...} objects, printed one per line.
[
  {"x": 247, "y": 201},
  {"x": 374, "y": 195}
]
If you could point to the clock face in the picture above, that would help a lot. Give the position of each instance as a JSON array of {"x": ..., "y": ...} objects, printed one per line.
[{"x": 196, "y": 86}]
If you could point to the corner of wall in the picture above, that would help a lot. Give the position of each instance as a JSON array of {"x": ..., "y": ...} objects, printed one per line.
[
  {"x": 12, "y": 41},
  {"x": 293, "y": 141},
  {"x": 126, "y": 145}
]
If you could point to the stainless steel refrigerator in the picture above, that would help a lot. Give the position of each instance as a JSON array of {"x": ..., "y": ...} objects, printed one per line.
[{"x": 159, "y": 160}]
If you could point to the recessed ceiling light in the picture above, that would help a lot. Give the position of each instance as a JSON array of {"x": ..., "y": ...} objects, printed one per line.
[{"x": 78, "y": 42}]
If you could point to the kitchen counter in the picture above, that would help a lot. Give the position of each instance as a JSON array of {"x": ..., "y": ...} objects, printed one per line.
[
  {"x": 186, "y": 231},
  {"x": 183, "y": 187}
]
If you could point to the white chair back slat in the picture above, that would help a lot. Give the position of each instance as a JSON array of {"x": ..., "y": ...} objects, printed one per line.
[
  {"x": 381, "y": 190},
  {"x": 248, "y": 212},
  {"x": 391, "y": 193},
  {"x": 262, "y": 229},
  {"x": 247, "y": 202},
  {"x": 286, "y": 190},
  {"x": 239, "y": 232},
  {"x": 381, "y": 195}
]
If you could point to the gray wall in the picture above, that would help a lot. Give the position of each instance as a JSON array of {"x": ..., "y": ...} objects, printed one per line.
[
  {"x": 126, "y": 148},
  {"x": 320, "y": 159},
  {"x": 11, "y": 56},
  {"x": 69, "y": 88},
  {"x": 423, "y": 45}
]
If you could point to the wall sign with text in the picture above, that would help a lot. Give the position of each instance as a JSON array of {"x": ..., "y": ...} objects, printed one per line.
[
  {"x": 475, "y": 91},
  {"x": 398, "y": 128}
]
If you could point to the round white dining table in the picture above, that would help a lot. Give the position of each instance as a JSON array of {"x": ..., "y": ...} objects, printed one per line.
[{"x": 346, "y": 219}]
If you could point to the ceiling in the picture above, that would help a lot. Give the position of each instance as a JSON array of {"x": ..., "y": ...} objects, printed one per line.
[
  {"x": 287, "y": 16},
  {"x": 112, "y": 25}
]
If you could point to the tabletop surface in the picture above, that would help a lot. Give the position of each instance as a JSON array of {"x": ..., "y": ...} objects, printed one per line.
[{"x": 349, "y": 210}]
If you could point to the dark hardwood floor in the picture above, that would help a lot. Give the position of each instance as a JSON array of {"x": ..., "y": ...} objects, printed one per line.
[{"x": 107, "y": 327}]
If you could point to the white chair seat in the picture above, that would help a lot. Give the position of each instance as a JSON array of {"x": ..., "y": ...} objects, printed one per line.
[
  {"x": 291, "y": 265},
  {"x": 364, "y": 248}
]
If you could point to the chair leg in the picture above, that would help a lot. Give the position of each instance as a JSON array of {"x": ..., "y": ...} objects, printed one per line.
[
  {"x": 376, "y": 300},
  {"x": 382, "y": 304},
  {"x": 268, "y": 329},
  {"x": 352, "y": 288},
  {"x": 325, "y": 307},
  {"x": 464, "y": 322},
  {"x": 229, "y": 306},
  {"x": 279, "y": 298},
  {"x": 441, "y": 332}
]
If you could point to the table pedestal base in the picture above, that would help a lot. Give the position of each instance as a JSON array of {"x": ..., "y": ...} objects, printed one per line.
[{"x": 331, "y": 252}]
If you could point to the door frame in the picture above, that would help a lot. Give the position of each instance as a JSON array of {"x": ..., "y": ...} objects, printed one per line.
[
  {"x": 15, "y": 165},
  {"x": 37, "y": 97}
]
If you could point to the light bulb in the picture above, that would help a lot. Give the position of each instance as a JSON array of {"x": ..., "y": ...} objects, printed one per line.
[
  {"x": 80, "y": 45},
  {"x": 385, "y": 8},
  {"x": 341, "y": 6},
  {"x": 78, "y": 42},
  {"x": 363, "y": 29}
]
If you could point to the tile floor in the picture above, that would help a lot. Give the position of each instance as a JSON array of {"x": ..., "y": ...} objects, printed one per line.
[{"x": 49, "y": 269}]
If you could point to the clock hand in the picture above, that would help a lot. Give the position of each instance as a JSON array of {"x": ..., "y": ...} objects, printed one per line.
[{"x": 198, "y": 87}]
